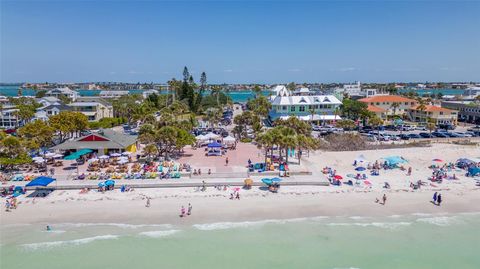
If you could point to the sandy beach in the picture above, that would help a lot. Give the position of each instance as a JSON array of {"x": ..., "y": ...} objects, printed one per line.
[{"x": 214, "y": 205}]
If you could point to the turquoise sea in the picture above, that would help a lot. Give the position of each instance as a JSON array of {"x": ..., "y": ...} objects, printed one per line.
[
  {"x": 237, "y": 96},
  {"x": 408, "y": 242}
]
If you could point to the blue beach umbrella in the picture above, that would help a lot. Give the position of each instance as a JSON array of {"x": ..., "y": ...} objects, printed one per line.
[
  {"x": 109, "y": 182},
  {"x": 101, "y": 184},
  {"x": 267, "y": 181},
  {"x": 276, "y": 179},
  {"x": 360, "y": 169}
]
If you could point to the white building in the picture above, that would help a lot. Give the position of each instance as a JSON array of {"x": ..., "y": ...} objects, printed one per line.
[
  {"x": 57, "y": 92},
  {"x": 314, "y": 108},
  {"x": 8, "y": 118},
  {"x": 112, "y": 94},
  {"x": 471, "y": 92}
]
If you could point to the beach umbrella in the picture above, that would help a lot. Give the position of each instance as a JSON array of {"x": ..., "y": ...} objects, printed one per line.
[
  {"x": 338, "y": 177},
  {"x": 267, "y": 181},
  {"x": 437, "y": 160},
  {"x": 92, "y": 160},
  {"x": 115, "y": 154},
  {"x": 101, "y": 184},
  {"x": 57, "y": 156},
  {"x": 123, "y": 161},
  {"x": 248, "y": 181},
  {"x": 50, "y": 154},
  {"x": 276, "y": 179},
  {"x": 126, "y": 153},
  {"x": 103, "y": 157},
  {"x": 40, "y": 181},
  {"x": 109, "y": 182},
  {"x": 367, "y": 182},
  {"x": 38, "y": 159},
  {"x": 360, "y": 168}
]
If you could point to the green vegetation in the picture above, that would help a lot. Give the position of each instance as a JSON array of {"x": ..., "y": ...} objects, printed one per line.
[
  {"x": 287, "y": 134},
  {"x": 13, "y": 151},
  {"x": 106, "y": 123}
]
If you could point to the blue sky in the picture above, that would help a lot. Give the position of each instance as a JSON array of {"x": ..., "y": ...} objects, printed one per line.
[{"x": 240, "y": 41}]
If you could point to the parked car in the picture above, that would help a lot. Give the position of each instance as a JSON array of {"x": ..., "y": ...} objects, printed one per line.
[
  {"x": 414, "y": 136},
  {"x": 446, "y": 127},
  {"x": 407, "y": 128},
  {"x": 426, "y": 135},
  {"x": 439, "y": 135},
  {"x": 471, "y": 134},
  {"x": 421, "y": 128},
  {"x": 460, "y": 134},
  {"x": 404, "y": 137}
]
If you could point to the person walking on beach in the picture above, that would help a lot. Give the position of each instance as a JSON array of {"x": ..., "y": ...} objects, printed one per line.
[
  {"x": 189, "y": 212},
  {"x": 226, "y": 161},
  {"x": 384, "y": 199},
  {"x": 409, "y": 171},
  {"x": 148, "y": 202},
  {"x": 182, "y": 212},
  {"x": 439, "y": 199},
  {"x": 435, "y": 198}
]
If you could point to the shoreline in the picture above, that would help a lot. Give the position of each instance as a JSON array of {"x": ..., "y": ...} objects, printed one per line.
[{"x": 214, "y": 207}]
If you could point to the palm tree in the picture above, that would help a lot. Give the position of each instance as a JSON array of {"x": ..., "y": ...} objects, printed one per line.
[
  {"x": 395, "y": 106},
  {"x": 216, "y": 89}
]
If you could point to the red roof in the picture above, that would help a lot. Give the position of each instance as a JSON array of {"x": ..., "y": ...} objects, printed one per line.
[
  {"x": 375, "y": 109},
  {"x": 429, "y": 108},
  {"x": 387, "y": 99}
]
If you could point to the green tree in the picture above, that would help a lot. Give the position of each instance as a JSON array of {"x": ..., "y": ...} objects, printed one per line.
[
  {"x": 66, "y": 123},
  {"x": 37, "y": 134},
  {"x": 291, "y": 86},
  {"x": 375, "y": 122},
  {"x": 12, "y": 151},
  {"x": 40, "y": 93},
  {"x": 257, "y": 90},
  {"x": 260, "y": 106},
  {"x": 346, "y": 124}
]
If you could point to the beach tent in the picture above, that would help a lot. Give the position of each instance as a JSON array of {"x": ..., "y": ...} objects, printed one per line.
[
  {"x": 394, "y": 160},
  {"x": 38, "y": 159},
  {"x": 200, "y": 137},
  {"x": 229, "y": 139},
  {"x": 50, "y": 154},
  {"x": 214, "y": 145},
  {"x": 211, "y": 136},
  {"x": 40, "y": 181}
]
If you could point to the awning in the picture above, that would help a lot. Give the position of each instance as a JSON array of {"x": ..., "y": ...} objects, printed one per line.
[
  {"x": 214, "y": 145},
  {"x": 40, "y": 181},
  {"x": 77, "y": 154}
]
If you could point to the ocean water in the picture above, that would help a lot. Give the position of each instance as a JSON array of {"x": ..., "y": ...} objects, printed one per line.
[
  {"x": 410, "y": 242},
  {"x": 237, "y": 96}
]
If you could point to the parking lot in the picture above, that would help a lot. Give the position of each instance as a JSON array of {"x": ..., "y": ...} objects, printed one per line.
[{"x": 406, "y": 133}]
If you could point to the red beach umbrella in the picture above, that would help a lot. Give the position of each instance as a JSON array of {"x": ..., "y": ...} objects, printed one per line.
[
  {"x": 437, "y": 160},
  {"x": 338, "y": 177}
]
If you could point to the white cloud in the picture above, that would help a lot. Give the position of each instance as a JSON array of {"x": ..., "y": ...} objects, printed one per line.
[
  {"x": 133, "y": 72},
  {"x": 344, "y": 69}
]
